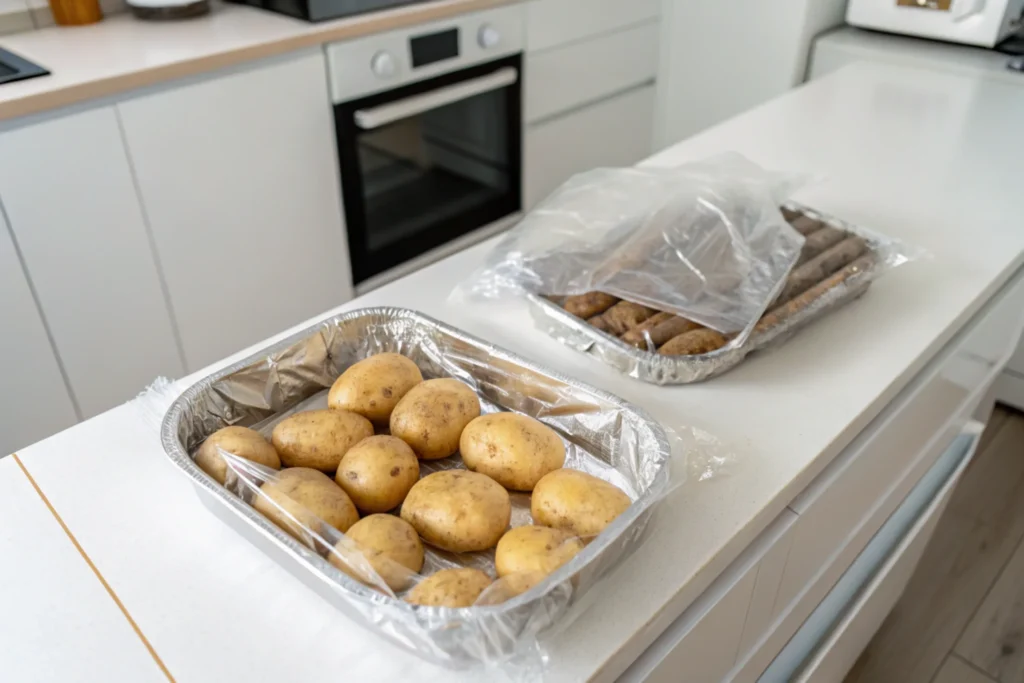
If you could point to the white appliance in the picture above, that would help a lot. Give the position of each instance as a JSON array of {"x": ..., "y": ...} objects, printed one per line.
[{"x": 974, "y": 22}]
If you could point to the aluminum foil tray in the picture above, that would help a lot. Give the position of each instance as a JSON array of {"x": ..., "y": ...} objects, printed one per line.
[
  {"x": 603, "y": 434},
  {"x": 658, "y": 369}
]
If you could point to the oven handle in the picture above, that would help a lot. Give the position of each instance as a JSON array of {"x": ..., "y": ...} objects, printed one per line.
[{"x": 376, "y": 117}]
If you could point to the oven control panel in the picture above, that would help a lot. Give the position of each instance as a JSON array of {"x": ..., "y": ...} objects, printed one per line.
[{"x": 383, "y": 61}]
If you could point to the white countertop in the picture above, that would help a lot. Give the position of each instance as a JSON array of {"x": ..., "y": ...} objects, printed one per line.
[
  {"x": 928, "y": 157},
  {"x": 122, "y": 52}
]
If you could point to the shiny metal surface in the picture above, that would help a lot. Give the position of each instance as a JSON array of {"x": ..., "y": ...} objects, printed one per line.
[
  {"x": 603, "y": 434},
  {"x": 658, "y": 369}
]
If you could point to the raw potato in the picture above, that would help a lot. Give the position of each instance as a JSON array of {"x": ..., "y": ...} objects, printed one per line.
[
  {"x": 374, "y": 386},
  {"x": 534, "y": 549},
  {"x": 457, "y": 510},
  {"x": 306, "y": 494},
  {"x": 319, "y": 438},
  {"x": 388, "y": 543},
  {"x": 241, "y": 441},
  {"x": 450, "y": 588},
  {"x": 512, "y": 449},
  {"x": 378, "y": 472},
  {"x": 431, "y": 417},
  {"x": 508, "y": 587},
  {"x": 576, "y": 502}
]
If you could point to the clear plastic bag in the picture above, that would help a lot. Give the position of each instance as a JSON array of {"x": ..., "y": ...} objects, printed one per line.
[
  {"x": 703, "y": 240},
  {"x": 502, "y": 631}
]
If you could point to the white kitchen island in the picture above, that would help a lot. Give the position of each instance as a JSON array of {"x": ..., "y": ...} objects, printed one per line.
[{"x": 830, "y": 432}]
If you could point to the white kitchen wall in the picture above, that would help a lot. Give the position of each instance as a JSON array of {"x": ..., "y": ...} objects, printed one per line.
[{"x": 721, "y": 58}]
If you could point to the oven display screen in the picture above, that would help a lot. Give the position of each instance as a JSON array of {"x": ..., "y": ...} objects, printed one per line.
[{"x": 434, "y": 47}]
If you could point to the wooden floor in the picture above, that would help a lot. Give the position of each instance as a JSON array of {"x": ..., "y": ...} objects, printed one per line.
[{"x": 961, "y": 619}]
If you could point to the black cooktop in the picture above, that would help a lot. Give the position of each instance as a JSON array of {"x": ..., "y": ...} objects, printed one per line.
[{"x": 322, "y": 10}]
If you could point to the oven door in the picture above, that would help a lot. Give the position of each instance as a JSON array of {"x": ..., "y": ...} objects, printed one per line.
[{"x": 429, "y": 162}]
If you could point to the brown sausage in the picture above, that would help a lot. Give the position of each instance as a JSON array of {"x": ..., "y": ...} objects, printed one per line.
[
  {"x": 818, "y": 241},
  {"x": 805, "y": 225},
  {"x": 600, "y": 323},
  {"x": 625, "y": 315},
  {"x": 692, "y": 343},
  {"x": 821, "y": 266},
  {"x": 673, "y": 327},
  {"x": 789, "y": 214},
  {"x": 792, "y": 307},
  {"x": 636, "y": 336},
  {"x": 590, "y": 304}
]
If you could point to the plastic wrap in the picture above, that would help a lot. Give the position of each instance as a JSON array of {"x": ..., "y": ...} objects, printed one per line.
[
  {"x": 782, "y": 320},
  {"x": 704, "y": 240},
  {"x": 603, "y": 435}
]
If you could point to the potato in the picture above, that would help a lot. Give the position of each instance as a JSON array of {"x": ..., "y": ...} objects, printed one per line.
[
  {"x": 431, "y": 417},
  {"x": 388, "y": 543},
  {"x": 241, "y": 441},
  {"x": 450, "y": 588},
  {"x": 319, "y": 438},
  {"x": 374, "y": 386},
  {"x": 306, "y": 494},
  {"x": 512, "y": 449},
  {"x": 576, "y": 502},
  {"x": 458, "y": 510},
  {"x": 536, "y": 549},
  {"x": 378, "y": 472},
  {"x": 508, "y": 587}
]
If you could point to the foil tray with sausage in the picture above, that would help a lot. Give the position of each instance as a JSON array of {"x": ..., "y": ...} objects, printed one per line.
[{"x": 837, "y": 263}]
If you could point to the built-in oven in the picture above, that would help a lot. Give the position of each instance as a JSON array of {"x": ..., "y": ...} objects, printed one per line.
[{"x": 429, "y": 128}]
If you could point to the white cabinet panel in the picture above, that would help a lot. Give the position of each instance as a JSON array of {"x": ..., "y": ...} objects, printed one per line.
[
  {"x": 702, "y": 644},
  {"x": 71, "y": 202},
  {"x": 239, "y": 177},
  {"x": 567, "y": 77},
  {"x": 36, "y": 402},
  {"x": 868, "y": 604},
  {"x": 555, "y": 22},
  {"x": 616, "y": 132}
]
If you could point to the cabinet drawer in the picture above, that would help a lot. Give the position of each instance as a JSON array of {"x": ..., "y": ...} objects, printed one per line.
[
  {"x": 880, "y": 582},
  {"x": 616, "y": 132},
  {"x": 555, "y": 22},
  {"x": 929, "y": 411},
  {"x": 701, "y": 645},
  {"x": 568, "y": 77}
]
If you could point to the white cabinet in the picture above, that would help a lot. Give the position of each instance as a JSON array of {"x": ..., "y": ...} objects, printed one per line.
[
  {"x": 35, "y": 400},
  {"x": 615, "y": 132},
  {"x": 721, "y": 58},
  {"x": 70, "y": 199},
  {"x": 590, "y": 70},
  {"x": 239, "y": 177}
]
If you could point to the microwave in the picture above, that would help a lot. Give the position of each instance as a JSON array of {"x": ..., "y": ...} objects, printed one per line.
[{"x": 974, "y": 22}]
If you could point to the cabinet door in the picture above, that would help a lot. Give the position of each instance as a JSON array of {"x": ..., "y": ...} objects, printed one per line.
[
  {"x": 615, "y": 132},
  {"x": 36, "y": 402},
  {"x": 239, "y": 177},
  {"x": 74, "y": 212}
]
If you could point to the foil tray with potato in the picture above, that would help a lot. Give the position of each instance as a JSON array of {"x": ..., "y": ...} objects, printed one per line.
[{"x": 603, "y": 437}]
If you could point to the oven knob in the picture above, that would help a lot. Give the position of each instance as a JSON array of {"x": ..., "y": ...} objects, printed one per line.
[
  {"x": 383, "y": 64},
  {"x": 488, "y": 36}
]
